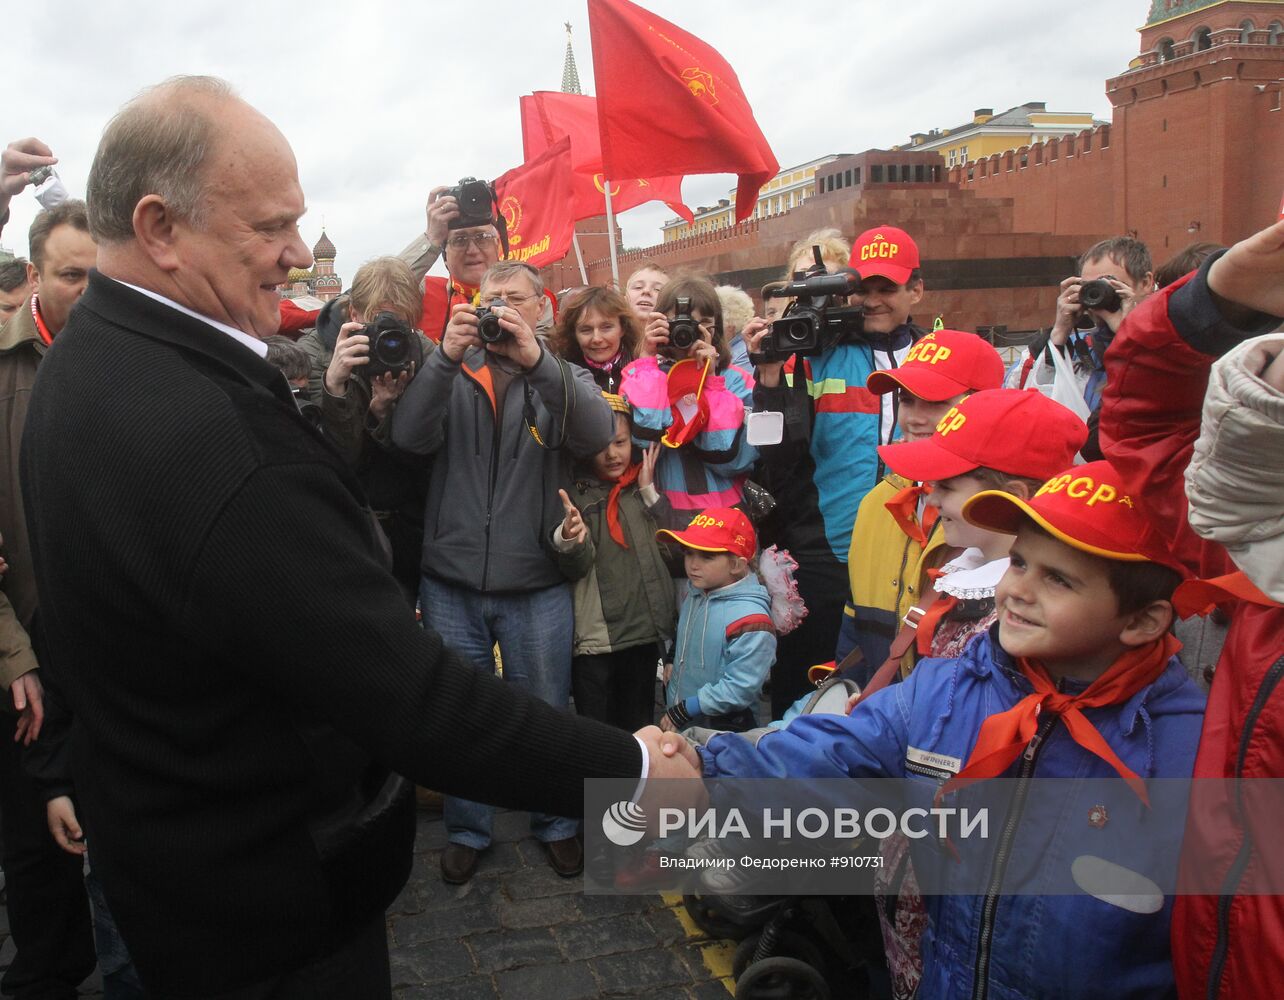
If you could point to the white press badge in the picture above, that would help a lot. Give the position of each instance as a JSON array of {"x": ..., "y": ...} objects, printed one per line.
[{"x": 765, "y": 428}]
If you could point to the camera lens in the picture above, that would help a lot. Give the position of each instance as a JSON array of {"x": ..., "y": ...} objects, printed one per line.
[
  {"x": 798, "y": 332},
  {"x": 392, "y": 348},
  {"x": 1099, "y": 294}
]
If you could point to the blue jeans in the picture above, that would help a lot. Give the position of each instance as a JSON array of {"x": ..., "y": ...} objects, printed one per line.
[
  {"x": 120, "y": 981},
  {"x": 534, "y": 634}
]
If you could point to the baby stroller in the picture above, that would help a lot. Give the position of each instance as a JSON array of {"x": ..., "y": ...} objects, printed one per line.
[{"x": 813, "y": 947}]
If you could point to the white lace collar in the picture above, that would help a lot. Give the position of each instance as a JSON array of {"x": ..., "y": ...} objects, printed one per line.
[{"x": 969, "y": 577}]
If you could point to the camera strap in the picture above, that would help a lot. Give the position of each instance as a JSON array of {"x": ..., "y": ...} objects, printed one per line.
[
  {"x": 531, "y": 418},
  {"x": 501, "y": 223}
]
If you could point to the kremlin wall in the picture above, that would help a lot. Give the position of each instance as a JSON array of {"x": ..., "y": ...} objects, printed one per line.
[{"x": 1195, "y": 151}]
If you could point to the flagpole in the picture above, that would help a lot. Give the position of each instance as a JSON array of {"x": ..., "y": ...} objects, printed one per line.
[
  {"x": 575, "y": 239},
  {"x": 610, "y": 232}
]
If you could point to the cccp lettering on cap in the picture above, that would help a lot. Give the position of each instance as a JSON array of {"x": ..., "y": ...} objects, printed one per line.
[
  {"x": 1084, "y": 507},
  {"x": 1021, "y": 433},
  {"x": 942, "y": 365},
  {"x": 929, "y": 351},
  {"x": 720, "y": 529},
  {"x": 885, "y": 251}
]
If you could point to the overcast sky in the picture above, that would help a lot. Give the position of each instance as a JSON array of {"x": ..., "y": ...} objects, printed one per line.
[{"x": 382, "y": 100}]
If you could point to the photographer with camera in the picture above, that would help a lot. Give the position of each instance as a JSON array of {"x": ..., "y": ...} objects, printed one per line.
[
  {"x": 684, "y": 392},
  {"x": 839, "y": 329},
  {"x": 464, "y": 228},
  {"x": 503, "y": 418},
  {"x": 1115, "y": 276},
  {"x": 376, "y": 354}
]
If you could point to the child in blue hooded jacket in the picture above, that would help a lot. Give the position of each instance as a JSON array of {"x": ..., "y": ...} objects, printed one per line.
[
  {"x": 726, "y": 640},
  {"x": 1078, "y": 679}
]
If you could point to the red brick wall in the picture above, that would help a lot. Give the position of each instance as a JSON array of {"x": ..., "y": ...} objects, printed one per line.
[
  {"x": 1198, "y": 139},
  {"x": 949, "y": 225},
  {"x": 1193, "y": 141}
]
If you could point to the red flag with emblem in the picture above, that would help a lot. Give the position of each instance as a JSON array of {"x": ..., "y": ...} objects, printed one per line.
[
  {"x": 547, "y": 116},
  {"x": 535, "y": 201},
  {"x": 668, "y": 103}
]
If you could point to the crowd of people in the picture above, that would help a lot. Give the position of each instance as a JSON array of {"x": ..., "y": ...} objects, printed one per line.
[{"x": 464, "y": 532}]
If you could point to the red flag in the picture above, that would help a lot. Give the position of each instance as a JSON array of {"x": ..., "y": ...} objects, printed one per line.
[
  {"x": 548, "y": 116},
  {"x": 535, "y": 201},
  {"x": 669, "y": 104}
]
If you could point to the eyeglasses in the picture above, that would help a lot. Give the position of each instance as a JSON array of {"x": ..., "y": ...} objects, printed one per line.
[
  {"x": 514, "y": 299},
  {"x": 480, "y": 240}
]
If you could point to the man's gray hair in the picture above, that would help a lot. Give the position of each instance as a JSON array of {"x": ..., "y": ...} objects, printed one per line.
[
  {"x": 504, "y": 270},
  {"x": 154, "y": 147}
]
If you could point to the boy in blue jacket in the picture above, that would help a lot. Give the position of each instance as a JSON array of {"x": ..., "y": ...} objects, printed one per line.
[
  {"x": 726, "y": 640},
  {"x": 1078, "y": 679}
]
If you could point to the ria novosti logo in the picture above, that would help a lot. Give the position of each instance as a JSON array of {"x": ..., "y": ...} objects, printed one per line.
[{"x": 624, "y": 824}]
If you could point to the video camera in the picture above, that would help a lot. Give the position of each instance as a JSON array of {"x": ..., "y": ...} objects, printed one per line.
[
  {"x": 394, "y": 347},
  {"x": 815, "y": 320},
  {"x": 476, "y": 200}
]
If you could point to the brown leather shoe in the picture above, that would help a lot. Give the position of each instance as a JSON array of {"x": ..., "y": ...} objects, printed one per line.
[
  {"x": 566, "y": 857},
  {"x": 458, "y": 863},
  {"x": 428, "y": 800}
]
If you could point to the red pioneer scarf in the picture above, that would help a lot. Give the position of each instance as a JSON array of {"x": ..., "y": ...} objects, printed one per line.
[
  {"x": 904, "y": 510},
  {"x": 1198, "y": 597},
  {"x": 41, "y": 329},
  {"x": 935, "y": 611},
  {"x": 613, "y": 505},
  {"x": 1005, "y": 736}
]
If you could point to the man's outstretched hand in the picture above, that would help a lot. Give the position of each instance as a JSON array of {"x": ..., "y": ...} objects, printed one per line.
[
  {"x": 673, "y": 777},
  {"x": 1251, "y": 273}
]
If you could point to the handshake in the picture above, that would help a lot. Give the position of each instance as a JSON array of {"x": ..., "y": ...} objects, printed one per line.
[{"x": 673, "y": 777}]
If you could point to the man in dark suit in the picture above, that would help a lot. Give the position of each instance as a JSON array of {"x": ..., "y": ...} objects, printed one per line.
[{"x": 237, "y": 749}]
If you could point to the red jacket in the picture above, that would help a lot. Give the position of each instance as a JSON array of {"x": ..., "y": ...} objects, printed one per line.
[{"x": 1231, "y": 945}]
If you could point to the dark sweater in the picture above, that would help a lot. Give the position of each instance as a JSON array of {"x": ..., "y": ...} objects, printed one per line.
[{"x": 233, "y": 747}]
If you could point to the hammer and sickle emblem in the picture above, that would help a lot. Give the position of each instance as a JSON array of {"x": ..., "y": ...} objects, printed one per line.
[
  {"x": 598, "y": 179},
  {"x": 511, "y": 209},
  {"x": 700, "y": 84}
]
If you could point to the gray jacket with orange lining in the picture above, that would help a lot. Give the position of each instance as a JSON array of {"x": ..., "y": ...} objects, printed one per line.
[{"x": 492, "y": 499}]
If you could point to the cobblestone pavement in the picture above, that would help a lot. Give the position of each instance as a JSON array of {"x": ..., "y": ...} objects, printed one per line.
[{"x": 518, "y": 931}]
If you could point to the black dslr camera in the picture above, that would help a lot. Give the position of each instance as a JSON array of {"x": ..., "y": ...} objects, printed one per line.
[
  {"x": 815, "y": 320},
  {"x": 488, "y": 328},
  {"x": 684, "y": 331},
  {"x": 1099, "y": 294},
  {"x": 394, "y": 347},
  {"x": 476, "y": 200}
]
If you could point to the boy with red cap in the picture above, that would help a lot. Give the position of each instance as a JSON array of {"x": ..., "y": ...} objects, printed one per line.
[
  {"x": 1078, "y": 679},
  {"x": 726, "y": 639},
  {"x": 827, "y": 460},
  {"x": 1000, "y": 439},
  {"x": 893, "y": 541}
]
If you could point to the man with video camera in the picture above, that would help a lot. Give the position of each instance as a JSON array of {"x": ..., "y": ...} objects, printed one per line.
[
  {"x": 826, "y": 460},
  {"x": 1115, "y": 276},
  {"x": 502, "y": 418}
]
